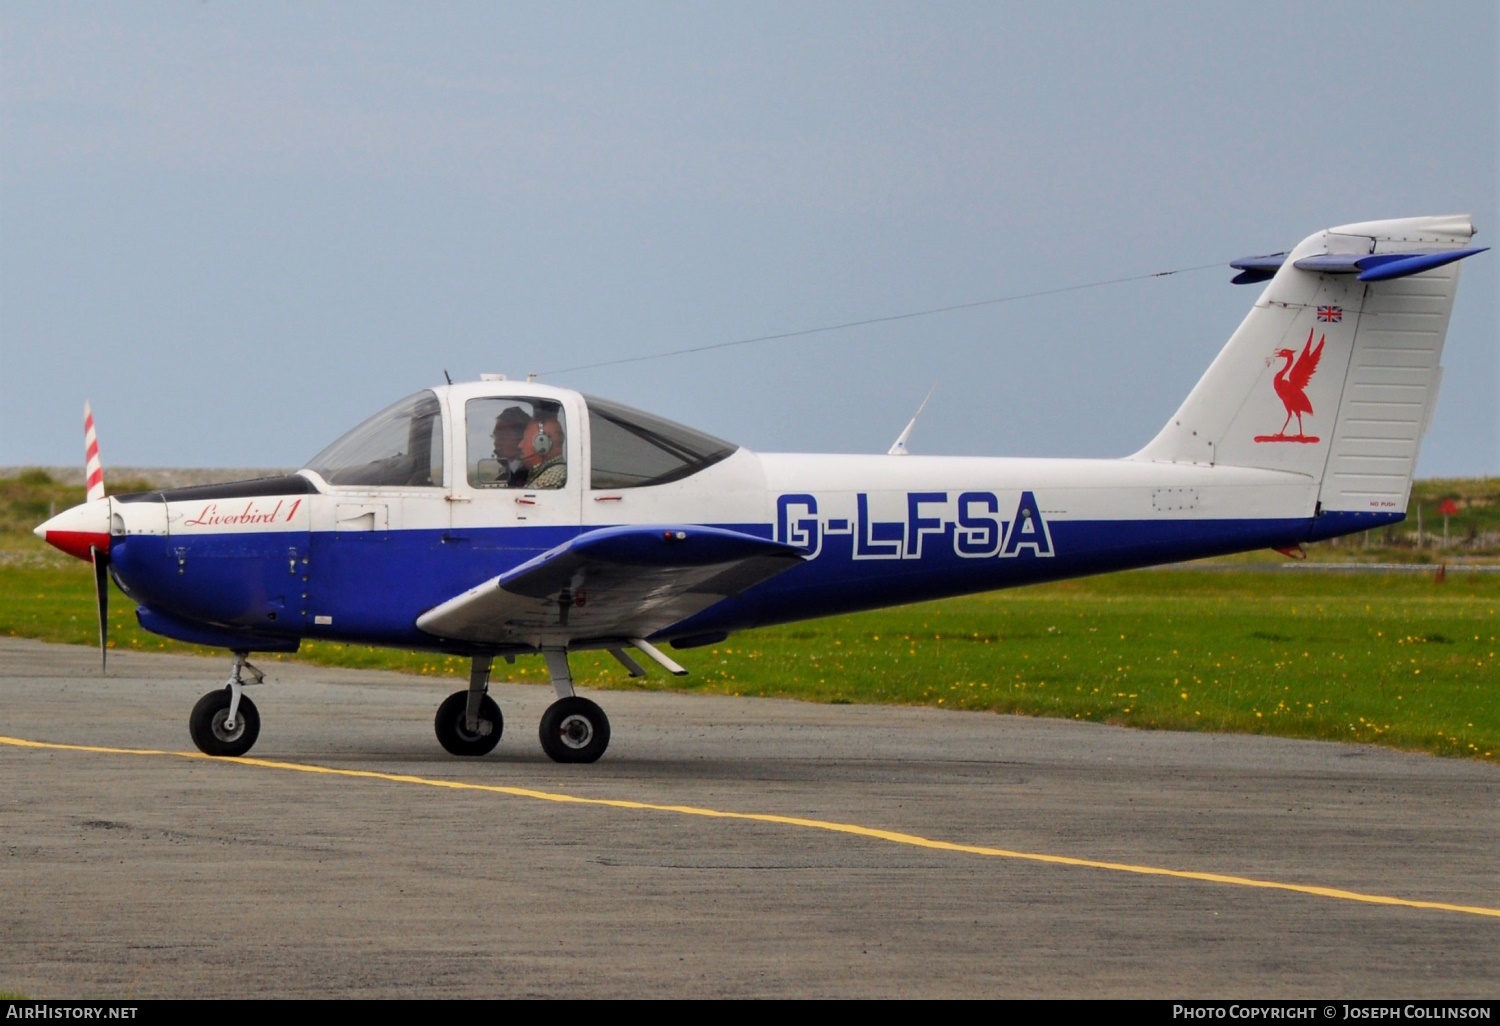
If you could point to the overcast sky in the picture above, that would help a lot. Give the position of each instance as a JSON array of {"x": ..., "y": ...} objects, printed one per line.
[{"x": 240, "y": 228}]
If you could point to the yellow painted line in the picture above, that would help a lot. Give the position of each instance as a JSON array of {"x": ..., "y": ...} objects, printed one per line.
[{"x": 895, "y": 837}]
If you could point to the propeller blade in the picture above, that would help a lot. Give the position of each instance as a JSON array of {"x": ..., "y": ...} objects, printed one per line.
[
  {"x": 93, "y": 470},
  {"x": 101, "y": 596}
]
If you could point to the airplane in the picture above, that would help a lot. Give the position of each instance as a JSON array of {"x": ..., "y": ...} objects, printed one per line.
[{"x": 497, "y": 518}]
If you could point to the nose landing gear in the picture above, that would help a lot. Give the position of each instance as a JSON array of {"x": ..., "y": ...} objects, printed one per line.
[{"x": 226, "y": 722}]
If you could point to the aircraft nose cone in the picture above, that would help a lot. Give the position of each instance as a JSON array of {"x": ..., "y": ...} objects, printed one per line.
[{"x": 75, "y": 530}]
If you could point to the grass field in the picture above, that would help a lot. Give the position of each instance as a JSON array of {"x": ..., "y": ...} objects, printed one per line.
[{"x": 1390, "y": 658}]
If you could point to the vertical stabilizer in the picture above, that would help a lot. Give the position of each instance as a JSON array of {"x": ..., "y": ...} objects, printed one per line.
[{"x": 1334, "y": 372}]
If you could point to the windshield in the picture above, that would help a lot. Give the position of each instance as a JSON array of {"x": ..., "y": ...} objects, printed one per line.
[
  {"x": 632, "y": 449},
  {"x": 402, "y": 446}
]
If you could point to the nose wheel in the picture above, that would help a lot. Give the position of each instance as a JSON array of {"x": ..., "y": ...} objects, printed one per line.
[
  {"x": 211, "y": 730},
  {"x": 226, "y": 722}
]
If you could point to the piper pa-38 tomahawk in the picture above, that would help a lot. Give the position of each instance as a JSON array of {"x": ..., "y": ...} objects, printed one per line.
[{"x": 497, "y": 519}]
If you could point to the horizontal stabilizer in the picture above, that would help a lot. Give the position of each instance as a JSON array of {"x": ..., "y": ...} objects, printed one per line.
[
  {"x": 1388, "y": 266},
  {"x": 1369, "y": 266},
  {"x": 610, "y": 584},
  {"x": 1257, "y": 268}
]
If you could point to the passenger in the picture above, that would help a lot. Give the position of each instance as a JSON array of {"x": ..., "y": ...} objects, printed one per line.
[
  {"x": 509, "y": 427},
  {"x": 543, "y": 451}
]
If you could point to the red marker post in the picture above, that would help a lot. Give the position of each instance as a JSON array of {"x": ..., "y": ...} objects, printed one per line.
[{"x": 1447, "y": 508}]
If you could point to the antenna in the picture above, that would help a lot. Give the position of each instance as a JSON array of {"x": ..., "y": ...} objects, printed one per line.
[
  {"x": 446, "y": 377},
  {"x": 899, "y": 448}
]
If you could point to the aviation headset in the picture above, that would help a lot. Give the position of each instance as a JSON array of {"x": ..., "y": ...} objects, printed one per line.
[{"x": 541, "y": 442}]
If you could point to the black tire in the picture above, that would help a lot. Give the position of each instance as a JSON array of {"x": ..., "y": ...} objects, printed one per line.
[
  {"x": 574, "y": 730},
  {"x": 452, "y": 732},
  {"x": 206, "y": 725}
]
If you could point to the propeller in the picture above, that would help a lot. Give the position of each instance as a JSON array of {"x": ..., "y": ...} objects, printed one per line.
[
  {"x": 93, "y": 473},
  {"x": 100, "y": 559},
  {"x": 84, "y": 530}
]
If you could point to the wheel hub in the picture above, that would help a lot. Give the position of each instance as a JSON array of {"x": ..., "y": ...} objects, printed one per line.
[
  {"x": 223, "y": 733},
  {"x": 486, "y": 728},
  {"x": 576, "y": 731}
]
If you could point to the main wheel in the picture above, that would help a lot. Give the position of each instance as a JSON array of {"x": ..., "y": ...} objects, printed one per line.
[
  {"x": 574, "y": 730},
  {"x": 452, "y": 729},
  {"x": 206, "y": 724}
]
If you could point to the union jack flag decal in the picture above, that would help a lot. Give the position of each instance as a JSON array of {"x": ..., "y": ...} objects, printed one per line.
[{"x": 1332, "y": 314}]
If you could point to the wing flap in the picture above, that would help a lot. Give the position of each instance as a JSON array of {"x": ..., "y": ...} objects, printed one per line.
[{"x": 613, "y": 583}]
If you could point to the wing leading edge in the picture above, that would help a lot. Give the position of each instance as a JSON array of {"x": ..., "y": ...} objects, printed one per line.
[{"x": 609, "y": 584}]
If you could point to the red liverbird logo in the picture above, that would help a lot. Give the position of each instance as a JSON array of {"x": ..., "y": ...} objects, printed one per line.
[{"x": 1291, "y": 387}]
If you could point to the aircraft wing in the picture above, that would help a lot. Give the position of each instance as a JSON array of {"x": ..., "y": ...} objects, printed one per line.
[{"x": 609, "y": 584}]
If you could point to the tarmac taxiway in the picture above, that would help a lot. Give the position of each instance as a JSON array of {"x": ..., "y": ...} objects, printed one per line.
[{"x": 722, "y": 847}]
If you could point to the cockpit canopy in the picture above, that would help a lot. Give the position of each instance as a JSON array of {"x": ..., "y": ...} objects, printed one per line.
[
  {"x": 401, "y": 446},
  {"x": 404, "y": 445}
]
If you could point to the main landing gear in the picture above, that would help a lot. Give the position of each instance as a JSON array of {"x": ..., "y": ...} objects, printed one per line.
[
  {"x": 226, "y": 722},
  {"x": 469, "y": 722},
  {"x": 573, "y": 729}
]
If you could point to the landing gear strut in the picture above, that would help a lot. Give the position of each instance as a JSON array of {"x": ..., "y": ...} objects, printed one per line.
[
  {"x": 226, "y": 722},
  {"x": 469, "y": 722},
  {"x": 573, "y": 729}
]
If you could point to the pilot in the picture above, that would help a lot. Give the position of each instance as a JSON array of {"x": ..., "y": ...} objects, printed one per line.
[
  {"x": 509, "y": 427},
  {"x": 543, "y": 452}
]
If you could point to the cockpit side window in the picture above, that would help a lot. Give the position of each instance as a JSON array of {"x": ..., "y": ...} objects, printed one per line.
[
  {"x": 632, "y": 449},
  {"x": 401, "y": 446},
  {"x": 516, "y": 443}
]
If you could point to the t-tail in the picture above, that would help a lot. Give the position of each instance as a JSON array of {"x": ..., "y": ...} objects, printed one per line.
[{"x": 1335, "y": 371}]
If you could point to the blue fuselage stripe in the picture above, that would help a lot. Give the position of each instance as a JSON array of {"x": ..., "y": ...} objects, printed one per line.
[{"x": 370, "y": 587}]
